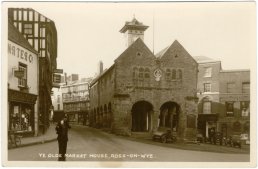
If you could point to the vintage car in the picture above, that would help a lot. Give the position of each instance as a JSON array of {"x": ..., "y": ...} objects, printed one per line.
[
  {"x": 164, "y": 136},
  {"x": 233, "y": 141}
]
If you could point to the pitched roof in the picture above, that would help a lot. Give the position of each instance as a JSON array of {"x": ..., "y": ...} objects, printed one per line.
[
  {"x": 15, "y": 36},
  {"x": 133, "y": 24},
  {"x": 204, "y": 59},
  {"x": 162, "y": 52}
]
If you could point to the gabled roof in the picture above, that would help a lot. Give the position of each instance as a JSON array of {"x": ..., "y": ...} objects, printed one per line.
[
  {"x": 204, "y": 59},
  {"x": 135, "y": 43},
  {"x": 133, "y": 24},
  {"x": 162, "y": 52},
  {"x": 15, "y": 36}
]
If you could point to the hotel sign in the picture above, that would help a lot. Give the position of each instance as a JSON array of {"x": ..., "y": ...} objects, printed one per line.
[{"x": 20, "y": 52}]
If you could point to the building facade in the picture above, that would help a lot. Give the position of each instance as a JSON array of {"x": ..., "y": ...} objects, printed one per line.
[
  {"x": 224, "y": 98},
  {"x": 142, "y": 92},
  {"x": 41, "y": 33},
  {"x": 75, "y": 98},
  {"x": 22, "y": 84},
  {"x": 234, "y": 117}
]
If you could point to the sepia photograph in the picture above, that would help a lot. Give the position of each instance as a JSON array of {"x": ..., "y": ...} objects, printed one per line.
[{"x": 128, "y": 84}]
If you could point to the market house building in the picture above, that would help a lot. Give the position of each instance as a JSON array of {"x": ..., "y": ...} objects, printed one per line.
[
  {"x": 41, "y": 34},
  {"x": 142, "y": 92},
  {"x": 22, "y": 84}
]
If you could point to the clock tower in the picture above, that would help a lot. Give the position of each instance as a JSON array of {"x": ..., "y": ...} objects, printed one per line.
[{"x": 132, "y": 31}]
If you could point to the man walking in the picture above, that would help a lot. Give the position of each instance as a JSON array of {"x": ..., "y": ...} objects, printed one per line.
[{"x": 62, "y": 131}]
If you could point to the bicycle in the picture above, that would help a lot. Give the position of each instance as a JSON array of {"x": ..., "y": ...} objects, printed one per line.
[{"x": 14, "y": 140}]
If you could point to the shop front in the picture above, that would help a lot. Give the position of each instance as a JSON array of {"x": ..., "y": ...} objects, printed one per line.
[
  {"x": 22, "y": 112},
  {"x": 207, "y": 123}
]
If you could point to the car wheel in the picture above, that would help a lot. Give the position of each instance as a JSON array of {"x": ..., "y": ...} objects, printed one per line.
[{"x": 163, "y": 139}]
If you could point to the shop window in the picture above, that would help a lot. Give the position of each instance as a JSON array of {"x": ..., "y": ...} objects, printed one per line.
[
  {"x": 21, "y": 117},
  {"x": 207, "y": 107},
  {"x": 230, "y": 108},
  {"x": 207, "y": 72},
  {"x": 237, "y": 126},
  {"x": 191, "y": 121},
  {"x": 23, "y": 80},
  {"x": 230, "y": 87},
  {"x": 207, "y": 87},
  {"x": 244, "y": 109},
  {"x": 245, "y": 87}
]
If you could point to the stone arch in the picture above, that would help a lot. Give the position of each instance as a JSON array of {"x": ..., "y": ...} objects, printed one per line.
[
  {"x": 101, "y": 116},
  {"x": 169, "y": 115},
  {"x": 141, "y": 116},
  {"x": 109, "y": 115},
  {"x": 105, "y": 116}
]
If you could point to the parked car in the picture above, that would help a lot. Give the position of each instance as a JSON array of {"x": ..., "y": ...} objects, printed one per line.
[
  {"x": 164, "y": 136},
  {"x": 233, "y": 141},
  {"x": 200, "y": 138},
  {"x": 236, "y": 141},
  {"x": 244, "y": 138}
]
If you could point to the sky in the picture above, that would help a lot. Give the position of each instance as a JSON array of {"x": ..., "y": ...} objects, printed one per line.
[{"x": 89, "y": 32}]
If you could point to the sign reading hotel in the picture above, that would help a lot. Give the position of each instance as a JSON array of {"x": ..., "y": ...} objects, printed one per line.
[{"x": 20, "y": 52}]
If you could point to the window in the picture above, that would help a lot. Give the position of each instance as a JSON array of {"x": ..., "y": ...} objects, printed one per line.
[
  {"x": 207, "y": 87},
  {"x": 230, "y": 87},
  {"x": 58, "y": 106},
  {"x": 230, "y": 108},
  {"x": 147, "y": 73},
  {"x": 207, "y": 107},
  {"x": 27, "y": 28},
  {"x": 244, "y": 108},
  {"x": 245, "y": 87},
  {"x": 179, "y": 73},
  {"x": 141, "y": 72},
  {"x": 23, "y": 80},
  {"x": 168, "y": 74},
  {"x": 207, "y": 72},
  {"x": 173, "y": 74},
  {"x": 58, "y": 99}
]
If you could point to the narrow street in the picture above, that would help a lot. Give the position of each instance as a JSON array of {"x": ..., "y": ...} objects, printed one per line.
[{"x": 87, "y": 144}]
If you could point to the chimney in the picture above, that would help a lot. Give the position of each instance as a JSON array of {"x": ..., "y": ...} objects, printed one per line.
[{"x": 100, "y": 67}]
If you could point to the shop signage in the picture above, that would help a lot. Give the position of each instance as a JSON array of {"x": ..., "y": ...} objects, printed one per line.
[
  {"x": 20, "y": 52},
  {"x": 19, "y": 73},
  {"x": 56, "y": 78},
  {"x": 234, "y": 97},
  {"x": 58, "y": 71}
]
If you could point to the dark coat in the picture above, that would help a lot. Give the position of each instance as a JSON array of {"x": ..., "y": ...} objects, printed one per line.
[{"x": 62, "y": 131}]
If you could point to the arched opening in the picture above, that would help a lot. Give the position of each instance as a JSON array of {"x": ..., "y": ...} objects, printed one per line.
[
  {"x": 109, "y": 115},
  {"x": 101, "y": 117},
  {"x": 141, "y": 116},
  {"x": 105, "y": 116},
  {"x": 169, "y": 115}
]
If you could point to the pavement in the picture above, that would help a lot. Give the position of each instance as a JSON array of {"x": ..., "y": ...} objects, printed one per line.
[{"x": 51, "y": 135}]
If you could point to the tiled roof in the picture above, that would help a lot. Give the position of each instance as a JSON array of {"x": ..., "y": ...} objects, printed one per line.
[
  {"x": 204, "y": 59},
  {"x": 15, "y": 36}
]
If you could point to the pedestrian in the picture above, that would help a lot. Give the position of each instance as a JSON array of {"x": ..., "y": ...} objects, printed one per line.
[{"x": 62, "y": 132}]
